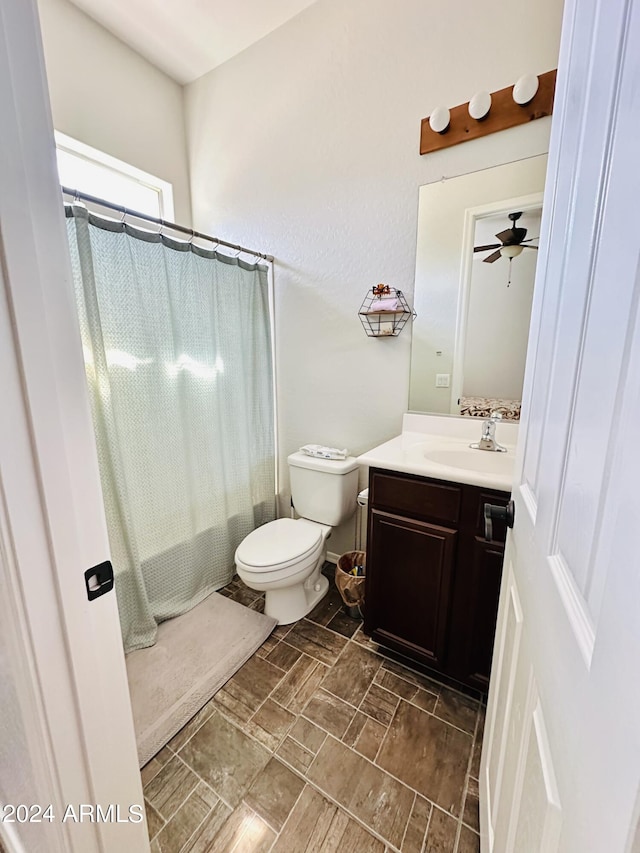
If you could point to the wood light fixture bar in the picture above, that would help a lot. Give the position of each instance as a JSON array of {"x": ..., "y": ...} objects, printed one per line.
[{"x": 504, "y": 113}]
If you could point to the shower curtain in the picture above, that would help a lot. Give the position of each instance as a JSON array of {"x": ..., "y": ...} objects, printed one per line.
[{"x": 177, "y": 351}]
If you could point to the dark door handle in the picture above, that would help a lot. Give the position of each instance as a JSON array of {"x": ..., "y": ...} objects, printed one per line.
[
  {"x": 497, "y": 513},
  {"x": 99, "y": 580}
]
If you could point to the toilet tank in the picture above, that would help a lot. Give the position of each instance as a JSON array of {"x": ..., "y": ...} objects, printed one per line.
[{"x": 323, "y": 490}]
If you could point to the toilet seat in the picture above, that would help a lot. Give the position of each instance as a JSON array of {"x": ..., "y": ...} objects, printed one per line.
[{"x": 279, "y": 545}]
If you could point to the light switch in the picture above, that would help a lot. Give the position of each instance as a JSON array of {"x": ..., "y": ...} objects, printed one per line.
[{"x": 442, "y": 380}]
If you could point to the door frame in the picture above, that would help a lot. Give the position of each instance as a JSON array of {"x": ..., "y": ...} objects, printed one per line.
[
  {"x": 531, "y": 201},
  {"x": 561, "y": 754},
  {"x": 53, "y": 524}
]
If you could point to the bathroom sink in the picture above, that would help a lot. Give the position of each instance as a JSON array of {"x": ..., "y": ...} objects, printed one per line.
[
  {"x": 453, "y": 459},
  {"x": 439, "y": 448},
  {"x": 483, "y": 461}
]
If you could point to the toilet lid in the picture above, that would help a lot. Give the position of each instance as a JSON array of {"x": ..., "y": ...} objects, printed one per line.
[{"x": 278, "y": 542}]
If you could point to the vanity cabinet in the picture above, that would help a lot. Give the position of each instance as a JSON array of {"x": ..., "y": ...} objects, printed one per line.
[{"x": 433, "y": 581}]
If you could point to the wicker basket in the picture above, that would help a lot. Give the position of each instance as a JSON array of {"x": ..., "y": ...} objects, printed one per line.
[{"x": 350, "y": 587}]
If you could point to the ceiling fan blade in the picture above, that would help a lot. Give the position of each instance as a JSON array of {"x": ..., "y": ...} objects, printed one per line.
[
  {"x": 493, "y": 257},
  {"x": 512, "y": 236},
  {"x": 486, "y": 248},
  {"x": 530, "y": 247}
]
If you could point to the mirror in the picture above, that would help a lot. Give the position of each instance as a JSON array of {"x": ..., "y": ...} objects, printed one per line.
[{"x": 470, "y": 336}]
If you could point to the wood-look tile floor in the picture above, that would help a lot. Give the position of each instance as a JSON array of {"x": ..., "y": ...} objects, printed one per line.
[{"x": 319, "y": 743}]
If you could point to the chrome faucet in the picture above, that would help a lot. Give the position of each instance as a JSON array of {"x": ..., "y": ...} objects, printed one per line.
[{"x": 488, "y": 438}]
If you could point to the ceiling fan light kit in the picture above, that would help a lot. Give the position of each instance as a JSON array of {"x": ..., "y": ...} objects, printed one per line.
[
  {"x": 512, "y": 242},
  {"x": 512, "y": 251},
  {"x": 529, "y": 99}
]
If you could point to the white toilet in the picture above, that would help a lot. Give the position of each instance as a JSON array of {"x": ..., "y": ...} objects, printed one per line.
[{"x": 284, "y": 558}]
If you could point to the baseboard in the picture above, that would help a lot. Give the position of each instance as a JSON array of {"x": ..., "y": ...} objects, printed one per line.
[{"x": 331, "y": 557}]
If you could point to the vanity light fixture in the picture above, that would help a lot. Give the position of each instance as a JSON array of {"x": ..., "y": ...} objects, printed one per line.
[
  {"x": 480, "y": 105},
  {"x": 440, "y": 119},
  {"x": 385, "y": 312},
  {"x": 489, "y": 112},
  {"x": 526, "y": 89}
]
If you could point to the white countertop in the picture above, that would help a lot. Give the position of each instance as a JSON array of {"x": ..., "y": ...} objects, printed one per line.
[{"x": 438, "y": 446}]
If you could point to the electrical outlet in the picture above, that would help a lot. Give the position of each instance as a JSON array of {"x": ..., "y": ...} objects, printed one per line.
[{"x": 442, "y": 380}]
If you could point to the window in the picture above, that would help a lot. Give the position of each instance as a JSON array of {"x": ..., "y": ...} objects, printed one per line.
[{"x": 90, "y": 171}]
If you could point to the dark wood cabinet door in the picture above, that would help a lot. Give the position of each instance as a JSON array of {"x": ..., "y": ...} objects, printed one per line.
[
  {"x": 474, "y": 611},
  {"x": 408, "y": 587},
  {"x": 431, "y": 590}
]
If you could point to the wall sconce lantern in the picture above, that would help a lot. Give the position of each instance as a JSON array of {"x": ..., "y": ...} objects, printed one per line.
[{"x": 385, "y": 312}]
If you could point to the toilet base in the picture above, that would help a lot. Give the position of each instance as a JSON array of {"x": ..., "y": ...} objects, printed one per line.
[{"x": 292, "y": 603}]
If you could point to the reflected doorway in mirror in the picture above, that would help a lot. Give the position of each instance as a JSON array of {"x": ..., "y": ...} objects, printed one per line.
[
  {"x": 449, "y": 213},
  {"x": 495, "y": 299}
]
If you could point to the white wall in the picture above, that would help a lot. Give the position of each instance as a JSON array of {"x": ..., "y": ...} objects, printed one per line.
[
  {"x": 306, "y": 145},
  {"x": 107, "y": 96}
]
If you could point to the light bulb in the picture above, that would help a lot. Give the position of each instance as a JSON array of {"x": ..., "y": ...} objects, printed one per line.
[
  {"x": 480, "y": 105},
  {"x": 439, "y": 120},
  {"x": 525, "y": 89}
]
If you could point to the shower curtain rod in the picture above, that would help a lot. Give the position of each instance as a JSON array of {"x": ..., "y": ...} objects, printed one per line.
[{"x": 163, "y": 223}]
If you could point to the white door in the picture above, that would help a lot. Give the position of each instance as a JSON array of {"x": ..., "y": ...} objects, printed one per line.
[
  {"x": 561, "y": 757},
  {"x": 66, "y": 731}
]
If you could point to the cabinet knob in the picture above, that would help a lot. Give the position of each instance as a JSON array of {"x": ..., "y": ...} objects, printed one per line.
[{"x": 497, "y": 513}]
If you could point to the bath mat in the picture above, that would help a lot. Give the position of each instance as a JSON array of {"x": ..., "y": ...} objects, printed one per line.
[{"x": 194, "y": 655}]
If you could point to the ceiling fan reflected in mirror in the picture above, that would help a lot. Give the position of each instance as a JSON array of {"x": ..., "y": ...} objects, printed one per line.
[{"x": 512, "y": 242}]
